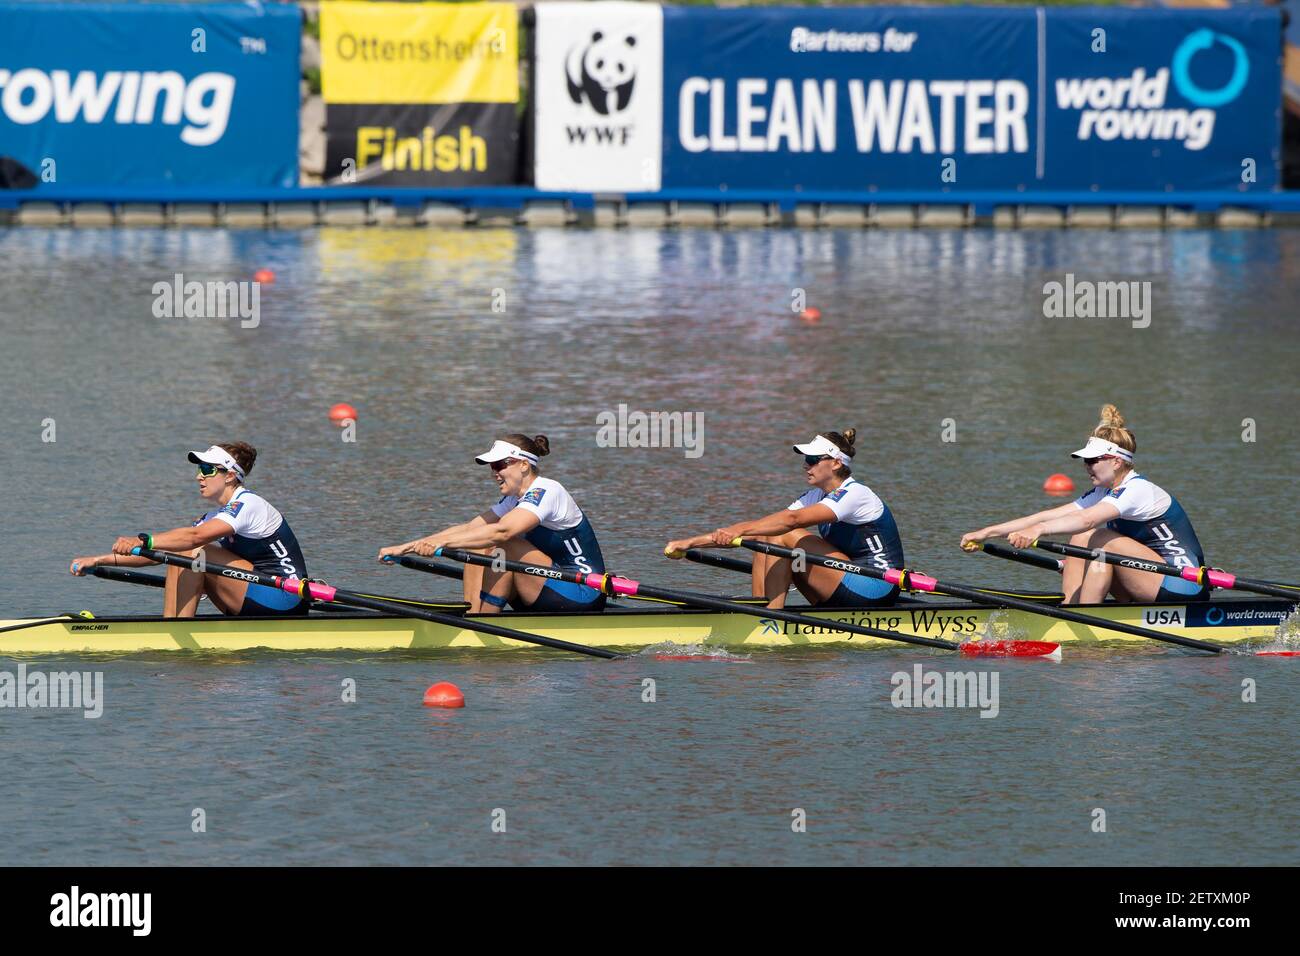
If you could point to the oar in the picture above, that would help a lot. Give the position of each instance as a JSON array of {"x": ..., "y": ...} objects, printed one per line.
[
  {"x": 127, "y": 576},
  {"x": 725, "y": 561},
  {"x": 317, "y": 591},
  {"x": 613, "y": 584},
  {"x": 923, "y": 582},
  {"x": 1021, "y": 555},
  {"x": 1218, "y": 579},
  {"x": 41, "y": 622}
]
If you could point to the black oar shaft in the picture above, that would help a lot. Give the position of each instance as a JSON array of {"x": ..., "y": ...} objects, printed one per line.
[
  {"x": 1022, "y": 556},
  {"x": 432, "y": 567},
  {"x": 128, "y": 577},
  {"x": 1218, "y": 579},
  {"x": 716, "y": 560},
  {"x": 979, "y": 597},
  {"x": 610, "y": 585},
  {"x": 322, "y": 592}
]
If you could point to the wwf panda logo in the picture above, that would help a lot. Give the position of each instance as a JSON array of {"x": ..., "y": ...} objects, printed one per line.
[{"x": 602, "y": 71}]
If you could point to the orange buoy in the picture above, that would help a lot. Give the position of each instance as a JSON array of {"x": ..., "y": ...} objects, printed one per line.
[
  {"x": 1059, "y": 485},
  {"x": 444, "y": 694},
  {"x": 342, "y": 412},
  {"x": 811, "y": 314},
  {"x": 264, "y": 276}
]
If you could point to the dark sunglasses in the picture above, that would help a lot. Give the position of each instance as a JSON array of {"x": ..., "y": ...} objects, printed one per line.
[
  {"x": 811, "y": 460},
  {"x": 207, "y": 471}
]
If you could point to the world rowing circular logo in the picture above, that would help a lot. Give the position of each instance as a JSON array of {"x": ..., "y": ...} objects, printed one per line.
[
  {"x": 1214, "y": 615},
  {"x": 1204, "y": 39}
]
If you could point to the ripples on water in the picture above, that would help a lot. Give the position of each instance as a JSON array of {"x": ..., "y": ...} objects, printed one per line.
[{"x": 918, "y": 327}]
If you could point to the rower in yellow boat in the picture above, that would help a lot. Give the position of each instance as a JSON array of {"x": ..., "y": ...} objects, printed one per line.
[
  {"x": 1123, "y": 513},
  {"x": 536, "y": 522},
  {"x": 241, "y": 530},
  {"x": 838, "y": 516}
]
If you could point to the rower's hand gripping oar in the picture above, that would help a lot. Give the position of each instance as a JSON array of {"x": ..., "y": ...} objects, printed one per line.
[
  {"x": 923, "y": 582},
  {"x": 1215, "y": 578},
  {"x": 318, "y": 591},
  {"x": 614, "y": 584}
]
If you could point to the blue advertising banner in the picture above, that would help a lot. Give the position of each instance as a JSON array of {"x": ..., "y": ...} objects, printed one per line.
[
  {"x": 971, "y": 98},
  {"x": 97, "y": 94}
]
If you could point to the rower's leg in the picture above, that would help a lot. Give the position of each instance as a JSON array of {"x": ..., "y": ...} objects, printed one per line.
[
  {"x": 771, "y": 576},
  {"x": 1073, "y": 571},
  {"x": 815, "y": 582},
  {"x": 762, "y": 566},
  {"x": 499, "y": 588},
  {"x": 1084, "y": 581},
  {"x": 181, "y": 591},
  {"x": 184, "y": 586},
  {"x": 226, "y": 594},
  {"x": 1088, "y": 582},
  {"x": 526, "y": 586},
  {"x": 495, "y": 587},
  {"x": 472, "y": 587},
  {"x": 1129, "y": 585}
]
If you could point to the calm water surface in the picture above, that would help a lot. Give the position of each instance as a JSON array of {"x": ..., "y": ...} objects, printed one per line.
[{"x": 918, "y": 328}]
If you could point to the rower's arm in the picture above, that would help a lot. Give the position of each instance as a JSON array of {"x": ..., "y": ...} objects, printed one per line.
[
  {"x": 431, "y": 542},
  {"x": 1019, "y": 524},
  {"x": 177, "y": 539},
  {"x": 490, "y": 534},
  {"x": 1079, "y": 519},
  {"x": 192, "y": 536},
  {"x": 779, "y": 522}
]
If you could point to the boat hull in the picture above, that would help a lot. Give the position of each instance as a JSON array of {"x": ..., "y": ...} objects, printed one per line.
[{"x": 1225, "y": 621}]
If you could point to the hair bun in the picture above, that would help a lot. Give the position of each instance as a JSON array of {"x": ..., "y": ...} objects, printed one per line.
[
  {"x": 1110, "y": 417},
  {"x": 543, "y": 444},
  {"x": 850, "y": 434}
]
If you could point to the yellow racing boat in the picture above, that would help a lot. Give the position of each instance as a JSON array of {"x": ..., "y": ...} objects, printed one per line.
[{"x": 1225, "y": 620}]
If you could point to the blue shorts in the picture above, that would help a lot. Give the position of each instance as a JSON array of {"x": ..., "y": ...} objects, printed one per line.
[
  {"x": 856, "y": 590},
  {"x": 1180, "y": 589},
  {"x": 564, "y": 596},
  {"x": 261, "y": 601}
]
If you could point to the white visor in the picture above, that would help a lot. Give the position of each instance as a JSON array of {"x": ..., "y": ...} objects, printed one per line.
[
  {"x": 1097, "y": 447},
  {"x": 824, "y": 446},
  {"x": 217, "y": 456},
  {"x": 501, "y": 450}
]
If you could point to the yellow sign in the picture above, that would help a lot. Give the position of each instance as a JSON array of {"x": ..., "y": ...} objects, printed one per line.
[{"x": 419, "y": 52}]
